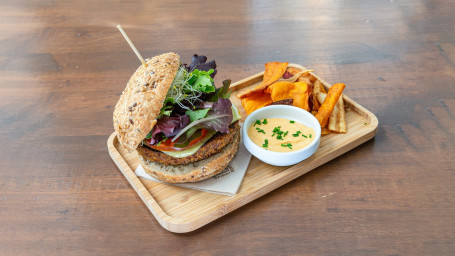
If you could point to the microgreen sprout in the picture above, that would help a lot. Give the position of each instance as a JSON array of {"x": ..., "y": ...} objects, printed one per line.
[{"x": 181, "y": 90}]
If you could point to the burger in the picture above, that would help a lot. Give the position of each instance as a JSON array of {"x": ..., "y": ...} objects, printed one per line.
[{"x": 182, "y": 127}]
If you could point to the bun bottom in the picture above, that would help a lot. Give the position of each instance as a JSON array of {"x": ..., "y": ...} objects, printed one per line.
[{"x": 195, "y": 171}]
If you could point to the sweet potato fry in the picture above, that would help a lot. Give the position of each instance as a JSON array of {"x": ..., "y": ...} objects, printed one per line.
[
  {"x": 299, "y": 92},
  {"x": 327, "y": 106},
  {"x": 280, "y": 90},
  {"x": 337, "y": 121},
  {"x": 301, "y": 95},
  {"x": 256, "y": 101},
  {"x": 273, "y": 72}
]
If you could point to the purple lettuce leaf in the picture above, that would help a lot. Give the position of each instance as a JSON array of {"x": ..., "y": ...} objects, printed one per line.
[
  {"x": 221, "y": 112},
  {"x": 200, "y": 62},
  {"x": 167, "y": 127},
  {"x": 218, "y": 119}
]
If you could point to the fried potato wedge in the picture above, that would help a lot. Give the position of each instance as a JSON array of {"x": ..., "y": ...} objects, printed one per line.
[{"x": 317, "y": 87}]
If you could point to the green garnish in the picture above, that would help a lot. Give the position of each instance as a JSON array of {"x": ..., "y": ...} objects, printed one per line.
[
  {"x": 165, "y": 111},
  {"x": 187, "y": 87},
  {"x": 202, "y": 82},
  {"x": 292, "y": 121},
  {"x": 266, "y": 143},
  {"x": 310, "y": 135},
  {"x": 289, "y": 145},
  {"x": 278, "y": 137},
  {"x": 265, "y": 121},
  {"x": 261, "y": 131},
  {"x": 258, "y": 122},
  {"x": 286, "y": 133},
  {"x": 296, "y": 134},
  {"x": 304, "y": 135}
]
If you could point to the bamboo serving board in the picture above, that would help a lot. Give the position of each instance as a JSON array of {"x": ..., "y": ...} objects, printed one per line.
[{"x": 183, "y": 210}]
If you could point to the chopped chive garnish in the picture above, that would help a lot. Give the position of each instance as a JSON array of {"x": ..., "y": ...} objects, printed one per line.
[
  {"x": 257, "y": 128},
  {"x": 296, "y": 134},
  {"x": 278, "y": 137},
  {"x": 286, "y": 133},
  {"x": 261, "y": 131},
  {"x": 257, "y": 123},
  {"x": 304, "y": 135},
  {"x": 289, "y": 145},
  {"x": 266, "y": 143},
  {"x": 292, "y": 121},
  {"x": 265, "y": 121},
  {"x": 310, "y": 135}
]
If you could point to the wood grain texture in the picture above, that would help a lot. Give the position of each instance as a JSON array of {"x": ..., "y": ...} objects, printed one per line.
[{"x": 63, "y": 65}]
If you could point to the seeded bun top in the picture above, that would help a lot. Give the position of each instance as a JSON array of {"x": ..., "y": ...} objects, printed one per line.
[{"x": 136, "y": 112}]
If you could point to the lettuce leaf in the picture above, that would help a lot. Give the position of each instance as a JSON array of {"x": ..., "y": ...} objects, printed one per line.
[
  {"x": 197, "y": 114},
  {"x": 167, "y": 127},
  {"x": 222, "y": 92},
  {"x": 200, "y": 62},
  {"x": 165, "y": 111},
  {"x": 202, "y": 81},
  {"x": 218, "y": 118}
]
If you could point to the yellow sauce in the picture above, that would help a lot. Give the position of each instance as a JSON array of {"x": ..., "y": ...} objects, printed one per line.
[{"x": 280, "y": 135}]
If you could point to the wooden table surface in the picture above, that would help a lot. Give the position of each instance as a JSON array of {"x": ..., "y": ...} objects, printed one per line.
[{"x": 63, "y": 65}]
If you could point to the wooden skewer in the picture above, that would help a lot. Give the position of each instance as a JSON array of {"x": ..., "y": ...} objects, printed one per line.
[{"x": 132, "y": 45}]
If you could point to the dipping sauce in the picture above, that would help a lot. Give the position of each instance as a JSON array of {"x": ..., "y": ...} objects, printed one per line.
[{"x": 280, "y": 135}]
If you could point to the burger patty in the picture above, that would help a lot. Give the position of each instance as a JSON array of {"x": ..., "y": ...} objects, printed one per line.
[{"x": 213, "y": 146}]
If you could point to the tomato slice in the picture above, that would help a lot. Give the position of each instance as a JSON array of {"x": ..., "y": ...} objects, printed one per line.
[{"x": 168, "y": 145}]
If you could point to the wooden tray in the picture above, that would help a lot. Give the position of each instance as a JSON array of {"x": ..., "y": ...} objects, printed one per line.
[{"x": 183, "y": 210}]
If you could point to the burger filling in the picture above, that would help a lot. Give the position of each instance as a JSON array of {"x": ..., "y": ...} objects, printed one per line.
[{"x": 195, "y": 113}]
